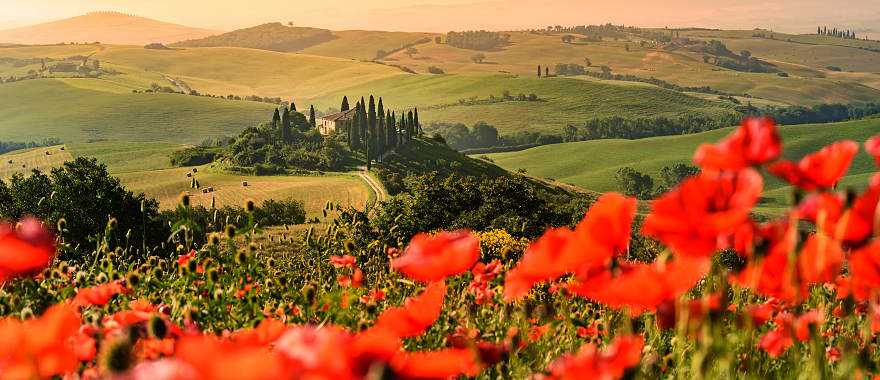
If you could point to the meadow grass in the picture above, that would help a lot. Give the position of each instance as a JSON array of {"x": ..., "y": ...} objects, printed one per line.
[
  {"x": 43, "y": 108},
  {"x": 592, "y": 164}
]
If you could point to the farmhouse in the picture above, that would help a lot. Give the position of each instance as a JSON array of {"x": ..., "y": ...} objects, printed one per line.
[{"x": 329, "y": 123}]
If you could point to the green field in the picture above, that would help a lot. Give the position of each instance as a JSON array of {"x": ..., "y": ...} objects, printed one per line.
[
  {"x": 80, "y": 110},
  {"x": 593, "y": 164},
  {"x": 363, "y": 44},
  {"x": 563, "y": 101}
]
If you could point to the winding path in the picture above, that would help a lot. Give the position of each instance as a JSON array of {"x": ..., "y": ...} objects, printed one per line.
[{"x": 377, "y": 187}]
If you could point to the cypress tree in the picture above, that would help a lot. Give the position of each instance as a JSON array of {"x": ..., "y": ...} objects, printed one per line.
[
  {"x": 363, "y": 123},
  {"x": 539, "y": 71},
  {"x": 411, "y": 123},
  {"x": 389, "y": 130},
  {"x": 312, "y": 119},
  {"x": 372, "y": 119},
  {"x": 344, "y": 106},
  {"x": 354, "y": 128},
  {"x": 276, "y": 118},
  {"x": 404, "y": 129},
  {"x": 285, "y": 124},
  {"x": 292, "y": 105},
  {"x": 416, "y": 124},
  {"x": 380, "y": 129}
]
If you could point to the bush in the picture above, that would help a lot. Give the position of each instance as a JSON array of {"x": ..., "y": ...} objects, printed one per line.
[
  {"x": 435, "y": 70},
  {"x": 194, "y": 156},
  {"x": 276, "y": 213}
]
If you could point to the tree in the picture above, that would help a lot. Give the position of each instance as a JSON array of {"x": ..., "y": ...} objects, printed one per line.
[
  {"x": 745, "y": 54},
  {"x": 380, "y": 129},
  {"x": 539, "y": 71},
  {"x": 344, "y": 106},
  {"x": 570, "y": 133},
  {"x": 292, "y": 105},
  {"x": 276, "y": 118},
  {"x": 416, "y": 124},
  {"x": 484, "y": 134},
  {"x": 312, "y": 120},
  {"x": 567, "y": 38},
  {"x": 391, "y": 131},
  {"x": 372, "y": 119},
  {"x": 674, "y": 175},
  {"x": 634, "y": 183},
  {"x": 547, "y": 71},
  {"x": 354, "y": 128},
  {"x": 478, "y": 58},
  {"x": 285, "y": 124},
  {"x": 410, "y": 124}
]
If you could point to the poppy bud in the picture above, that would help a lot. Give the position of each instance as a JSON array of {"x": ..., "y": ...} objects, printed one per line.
[
  {"x": 133, "y": 279},
  {"x": 112, "y": 224},
  {"x": 252, "y": 248},
  {"x": 156, "y": 327},
  {"x": 191, "y": 266},
  {"x": 230, "y": 231},
  {"x": 241, "y": 257},
  {"x": 101, "y": 278},
  {"x": 116, "y": 356},
  {"x": 213, "y": 240},
  {"x": 308, "y": 292},
  {"x": 26, "y": 313},
  {"x": 62, "y": 224},
  {"x": 249, "y": 205}
]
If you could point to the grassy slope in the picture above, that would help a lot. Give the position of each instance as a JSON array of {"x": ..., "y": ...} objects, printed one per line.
[
  {"x": 238, "y": 71},
  {"x": 565, "y": 100},
  {"x": 592, "y": 164},
  {"x": 805, "y": 86},
  {"x": 421, "y": 156},
  {"x": 26, "y": 160},
  {"x": 77, "y": 110},
  {"x": 362, "y": 44}
]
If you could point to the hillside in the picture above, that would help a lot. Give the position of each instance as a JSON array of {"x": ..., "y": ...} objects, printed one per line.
[
  {"x": 271, "y": 36},
  {"x": 364, "y": 44},
  {"x": 561, "y": 101},
  {"x": 593, "y": 164},
  {"x": 105, "y": 27},
  {"x": 78, "y": 110}
]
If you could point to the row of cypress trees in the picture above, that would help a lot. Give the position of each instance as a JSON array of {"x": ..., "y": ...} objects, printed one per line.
[{"x": 376, "y": 130}]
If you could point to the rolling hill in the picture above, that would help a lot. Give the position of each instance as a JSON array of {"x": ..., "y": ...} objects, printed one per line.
[
  {"x": 593, "y": 164},
  {"x": 105, "y": 27},
  {"x": 80, "y": 110},
  {"x": 272, "y": 36}
]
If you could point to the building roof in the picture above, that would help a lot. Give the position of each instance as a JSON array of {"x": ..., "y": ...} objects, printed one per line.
[{"x": 344, "y": 115}]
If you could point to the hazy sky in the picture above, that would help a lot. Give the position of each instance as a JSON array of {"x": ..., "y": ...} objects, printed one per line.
[{"x": 445, "y": 15}]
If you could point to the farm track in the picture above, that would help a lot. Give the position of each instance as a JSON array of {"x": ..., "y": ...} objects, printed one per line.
[{"x": 377, "y": 188}]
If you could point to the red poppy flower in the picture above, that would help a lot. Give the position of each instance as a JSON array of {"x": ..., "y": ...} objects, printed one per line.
[
  {"x": 604, "y": 231},
  {"x": 820, "y": 260},
  {"x": 755, "y": 142},
  {"x": 864, "y": 266},
  {"x": 345, "y": 261},
  {"x": 641, "y": 287},
  {"x": 804, "y": 321},
  {"x": 433, "y": 258},
  {"x": 872, "y": 146},
  {"x": 266, "y": 332},
  {"x": 213, "y": 358},
  {"x": 824, "y": 210},
  {"x": 861, "y": 221},
  {"x": 778, "y": 340},
  {"x": 98, "y": 295},
  {"x": 416, "y": 314},
  {"x": 820, "y": 170},
  {"x": 704, "y": 210},
  {"x": 26, "y": 249},
  {"x": 184, "y": 259},
  {"x": 443, "y": 364},
  {"x": 42, "y": 347},
  {"x": 591, "y": 363}
]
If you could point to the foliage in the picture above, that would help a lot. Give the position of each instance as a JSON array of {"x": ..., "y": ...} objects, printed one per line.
[
  {"x": 477, "y": 40},
  {"x": 9, "y": 146},
  {"x": 271, "y": 36},
  {"x": 194, "y": 156},
  {"x": 634, "y": 183},
  {"x": 87, "y": 199}
]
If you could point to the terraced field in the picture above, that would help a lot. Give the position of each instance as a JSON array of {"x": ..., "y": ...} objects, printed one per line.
[{"x": 25, "y": 161}]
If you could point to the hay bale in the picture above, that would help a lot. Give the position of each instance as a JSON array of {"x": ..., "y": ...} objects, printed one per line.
[
  {"x": 244, "y": 184},
  {"x": 189, "y": 175},
  {"x": 195, "y": 170}
]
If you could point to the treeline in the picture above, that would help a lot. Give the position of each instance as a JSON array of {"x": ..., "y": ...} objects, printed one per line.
[
  {"x": 156, "y": 88},
  {"x": 482, "y": 137},
  {"x": 375, "y": 130},
  {"x": 594, "y": 32},
  {"x": 477, "y": 40},
  {"x": 9, "y": 146},
  {"x": 821, "y": 113},
  {"x": 272, "y": 36},
  {"x": 839, "y": 33},
  {"x": 608, "y": 75}
]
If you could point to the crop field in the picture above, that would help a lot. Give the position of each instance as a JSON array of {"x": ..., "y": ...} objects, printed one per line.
[
  {"x": 25, "y": 161},
  {"x": 592, "y": 164},
  {"x": 166, "y": 186},
  {"x": 363, "y": 44}
]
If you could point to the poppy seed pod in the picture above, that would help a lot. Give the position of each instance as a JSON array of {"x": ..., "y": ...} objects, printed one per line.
[
  {"x": 157, "y": 328},
  {"x": 116, "y": 356},
  {"x": 240, "y": 257},
  {"x": 213, "y": 275},
  {"x": 214, "y": 240},
  {"x": 230, "y": 231},
  {"x": 133, "y": 279},
  {"x": 249, "y": 205}
]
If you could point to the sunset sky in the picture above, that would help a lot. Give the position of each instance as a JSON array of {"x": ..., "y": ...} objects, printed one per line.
[{"x": 445, "y": 15}]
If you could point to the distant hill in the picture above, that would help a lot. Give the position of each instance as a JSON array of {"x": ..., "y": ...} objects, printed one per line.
[
  {"x": 105, "y": 27},
  {"x": 272, "y": 36}
]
